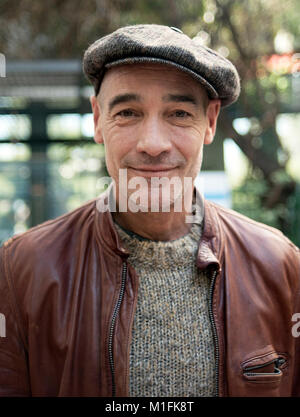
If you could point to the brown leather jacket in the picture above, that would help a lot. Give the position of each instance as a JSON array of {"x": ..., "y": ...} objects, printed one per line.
[{"x": 69, "y": 297}]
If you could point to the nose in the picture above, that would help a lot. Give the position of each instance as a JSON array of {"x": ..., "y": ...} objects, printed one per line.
[{"x": 153, "y": 137}]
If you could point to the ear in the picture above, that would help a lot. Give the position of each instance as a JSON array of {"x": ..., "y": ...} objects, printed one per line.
[
  {"x": 98, "y": 137},
  {"x": 212, "y": 113}
]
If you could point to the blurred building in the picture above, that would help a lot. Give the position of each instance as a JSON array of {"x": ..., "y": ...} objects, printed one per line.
[{"x": 49, "y": 163}]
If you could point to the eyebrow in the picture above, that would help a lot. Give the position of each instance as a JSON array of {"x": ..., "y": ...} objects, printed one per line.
[
  {"x": 178, "y": 98},
  {"x": 123, "y": 98},
  {"x": 181, "y": 98}
]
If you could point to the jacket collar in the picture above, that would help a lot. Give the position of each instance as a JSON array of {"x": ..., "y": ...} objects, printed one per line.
[{"x": 210, "y": 247}]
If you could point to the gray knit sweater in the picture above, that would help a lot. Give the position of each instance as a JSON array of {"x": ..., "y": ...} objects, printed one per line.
[{"x": 172, "y": 350}]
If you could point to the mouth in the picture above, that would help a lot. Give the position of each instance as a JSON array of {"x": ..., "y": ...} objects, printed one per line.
[{"x": 158, "y": 171}]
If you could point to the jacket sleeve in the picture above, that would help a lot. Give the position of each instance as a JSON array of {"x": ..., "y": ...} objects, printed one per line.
[
  {"x": 14, "y": 375},
  {"x": 296, "y": 332}
]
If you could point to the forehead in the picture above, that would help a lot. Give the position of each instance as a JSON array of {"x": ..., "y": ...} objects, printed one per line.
[{"x": 142, "y": 77}]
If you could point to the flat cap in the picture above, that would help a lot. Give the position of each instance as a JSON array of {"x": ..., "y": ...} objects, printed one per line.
[{"x": 166, "y": 45}]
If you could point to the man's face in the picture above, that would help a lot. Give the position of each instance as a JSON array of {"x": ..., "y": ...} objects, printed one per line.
[{"x": 153, "y": 120}]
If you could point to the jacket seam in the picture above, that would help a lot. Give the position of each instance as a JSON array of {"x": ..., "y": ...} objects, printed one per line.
[
  {"x": 13, "y": 298},
  {"x": 277, "y": 381},
  {"x": 259, "y": 357}
]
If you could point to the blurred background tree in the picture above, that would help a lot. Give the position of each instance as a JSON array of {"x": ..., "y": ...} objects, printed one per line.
[{"x": 249, "y": 33}]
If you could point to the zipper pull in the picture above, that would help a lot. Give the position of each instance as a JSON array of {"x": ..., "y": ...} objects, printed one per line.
[{"x": 279, "y": 362}]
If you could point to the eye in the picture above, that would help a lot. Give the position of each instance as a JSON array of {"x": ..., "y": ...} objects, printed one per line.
[
  {"x": 181, "y": 114},
  {"x": 126, "y": 113}
]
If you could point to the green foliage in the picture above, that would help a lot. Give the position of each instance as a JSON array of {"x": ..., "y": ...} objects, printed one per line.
[{"x": 248, "y": 199}]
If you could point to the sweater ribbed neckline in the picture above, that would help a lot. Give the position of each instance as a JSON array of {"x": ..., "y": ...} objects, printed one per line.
[{"x": 161, "y": 254}]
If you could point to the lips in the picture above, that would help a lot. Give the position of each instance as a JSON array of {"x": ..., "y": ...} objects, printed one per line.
[{"x": 153, "y": 171}]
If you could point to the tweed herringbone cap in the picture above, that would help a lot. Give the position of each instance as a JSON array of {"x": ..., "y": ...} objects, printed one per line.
[{"x": 165, "y": 45}]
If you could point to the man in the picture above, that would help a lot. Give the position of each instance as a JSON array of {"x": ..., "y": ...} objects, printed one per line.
[{"x": 150, "y": 290}]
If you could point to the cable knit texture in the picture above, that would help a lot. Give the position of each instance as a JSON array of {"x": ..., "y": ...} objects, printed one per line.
[{"x": 172, "y": 350}]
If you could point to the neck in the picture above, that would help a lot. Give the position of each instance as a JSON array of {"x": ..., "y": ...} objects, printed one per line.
[{"x": 155, "y": 226}]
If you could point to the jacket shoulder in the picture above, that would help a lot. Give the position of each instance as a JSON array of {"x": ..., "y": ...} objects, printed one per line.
[
  {"x": 254, "y": 247},
  {"x": 257, "y": 242},
  {"x": 56, "y": 230}
]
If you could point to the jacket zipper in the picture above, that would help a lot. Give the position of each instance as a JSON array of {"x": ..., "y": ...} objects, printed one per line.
[
  {"x": 214, "y": 328},
  {"x": 278, "y": 363},
  {"x": 115, "y": 314},
  {"x": 112, "y": 327}
]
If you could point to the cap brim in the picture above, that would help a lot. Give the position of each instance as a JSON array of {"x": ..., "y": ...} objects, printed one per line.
[{"x": 141, "y": 59}]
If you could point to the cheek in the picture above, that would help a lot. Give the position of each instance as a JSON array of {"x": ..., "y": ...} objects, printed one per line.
[
  {"x": 116, "y": 148},
  {"x": 190, "y": 145}
]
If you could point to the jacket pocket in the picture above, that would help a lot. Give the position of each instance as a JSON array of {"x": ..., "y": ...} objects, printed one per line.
[{"x": 265, "y": 368}]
